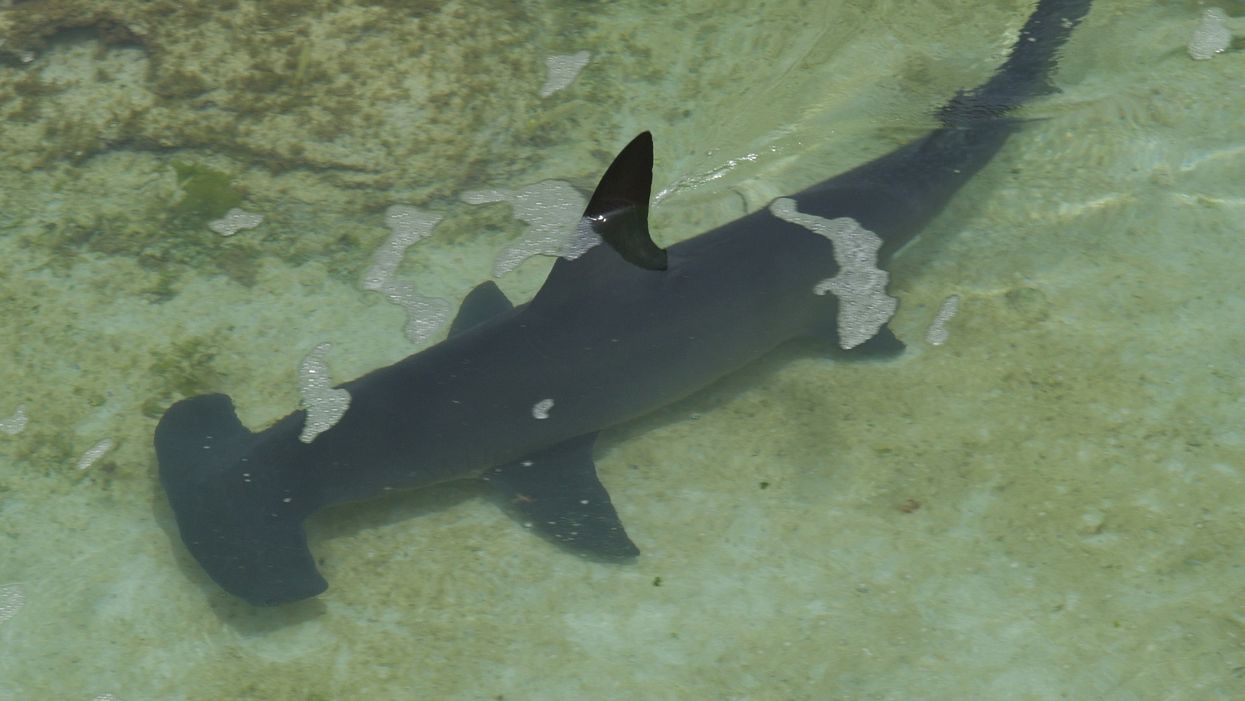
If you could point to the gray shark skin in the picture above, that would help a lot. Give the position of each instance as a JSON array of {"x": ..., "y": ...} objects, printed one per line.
[{"x": 621, "y": 331}]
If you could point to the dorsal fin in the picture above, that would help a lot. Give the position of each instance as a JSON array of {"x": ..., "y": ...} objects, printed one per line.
[{"x": 618, "y": 210}]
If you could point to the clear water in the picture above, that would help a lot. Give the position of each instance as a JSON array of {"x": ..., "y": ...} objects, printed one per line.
[{"x": 1048, "y": 506}]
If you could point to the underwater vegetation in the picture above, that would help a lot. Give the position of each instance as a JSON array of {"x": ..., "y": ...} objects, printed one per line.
[
  {"x": 207, "y": 194},
  {"x": 185, "y": 368}
]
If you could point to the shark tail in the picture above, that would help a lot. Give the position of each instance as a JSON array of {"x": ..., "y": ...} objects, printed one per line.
[{"x": 1026, "y": 72}]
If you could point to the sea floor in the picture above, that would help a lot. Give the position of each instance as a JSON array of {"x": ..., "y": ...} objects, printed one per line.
[{"x": 1050, "y": 505}]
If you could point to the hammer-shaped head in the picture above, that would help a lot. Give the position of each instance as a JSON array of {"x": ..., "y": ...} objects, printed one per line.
[{"x": 238, "y": 517}]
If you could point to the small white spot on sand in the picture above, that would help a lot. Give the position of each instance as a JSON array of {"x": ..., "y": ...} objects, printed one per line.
[
  {"x": 14, "y": 424},
  {"x": 563, "y": 69},
  {"x": 937, "y": 333},
  {"x": 12, "y": 598},
  {"x": 94, "y": 453},
  {"x": 1211, "y": 36},
  {"x": 235, "y": 220}
]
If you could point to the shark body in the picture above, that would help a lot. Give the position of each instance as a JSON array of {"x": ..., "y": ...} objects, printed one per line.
[{"x": 517, "y": 394}]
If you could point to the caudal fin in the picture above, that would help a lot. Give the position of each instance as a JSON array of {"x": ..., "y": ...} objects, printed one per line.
[{"x": 1026, "y": 73}]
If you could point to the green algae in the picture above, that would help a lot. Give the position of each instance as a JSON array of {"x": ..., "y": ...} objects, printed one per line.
[
  {"x": 207, "y": 194},
  {"x": 184, "y": 369},
  {"x": 166, "y": 241}
]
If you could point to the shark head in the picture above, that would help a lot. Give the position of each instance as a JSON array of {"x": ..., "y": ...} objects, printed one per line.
[{"x": 239, "y": 521}]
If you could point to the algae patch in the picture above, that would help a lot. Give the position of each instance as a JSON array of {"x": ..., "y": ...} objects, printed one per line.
[
  {"x": 207, "y": 194},
  {"x": 183, "y": 369}
]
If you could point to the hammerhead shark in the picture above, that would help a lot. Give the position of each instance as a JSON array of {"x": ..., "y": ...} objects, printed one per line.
[{"x": 516, "y": 395}]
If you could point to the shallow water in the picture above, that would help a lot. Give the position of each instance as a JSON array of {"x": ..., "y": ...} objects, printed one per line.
[{"x": 1047, "y": 506}]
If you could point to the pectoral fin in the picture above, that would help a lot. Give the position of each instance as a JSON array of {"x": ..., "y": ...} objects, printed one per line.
[
  {"x": 481, "y": 304},
  {"x": 884, "y": 344},
  {"x": 557, "y": 494}
]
